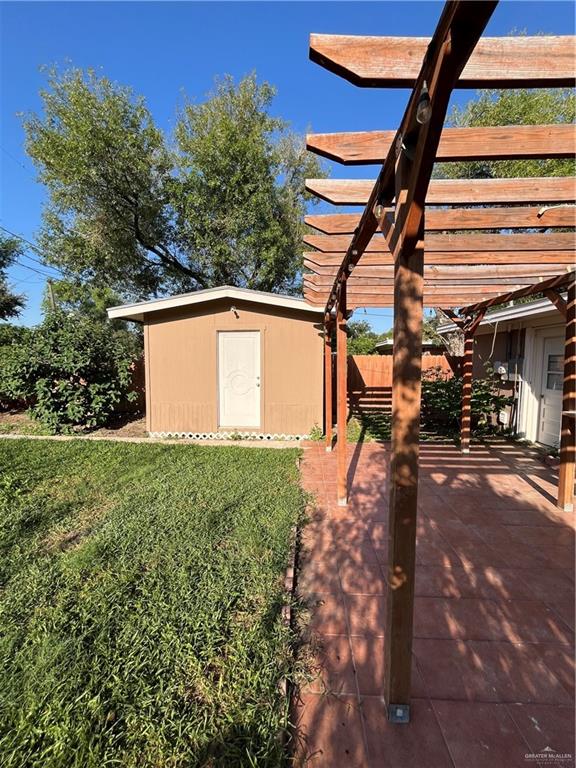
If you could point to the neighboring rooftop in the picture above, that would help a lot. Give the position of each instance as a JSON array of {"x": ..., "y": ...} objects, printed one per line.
[
  {"x": 389, "y": 343},
  {"x": 137, "y": 311}
]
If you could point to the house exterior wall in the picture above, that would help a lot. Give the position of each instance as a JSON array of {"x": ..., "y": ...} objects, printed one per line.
[
  {"x": 519, "y": 339},
  {"x": 181, "y": 348}
]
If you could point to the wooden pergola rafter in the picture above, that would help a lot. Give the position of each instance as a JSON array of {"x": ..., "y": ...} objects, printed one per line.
[{"x": 419, "y": 241}]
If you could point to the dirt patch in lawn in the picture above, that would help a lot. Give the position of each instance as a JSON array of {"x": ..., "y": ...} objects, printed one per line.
[{"x": 120, "y": 425}]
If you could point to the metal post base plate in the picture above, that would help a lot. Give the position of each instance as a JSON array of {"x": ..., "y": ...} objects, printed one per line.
[{"x": 398, "y": 713}]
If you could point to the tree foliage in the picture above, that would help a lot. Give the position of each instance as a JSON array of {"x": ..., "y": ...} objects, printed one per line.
[
  {"x": 10, "y": 303},
  {"x": 85, "y": 299},
  {"x": 220, "y": 202},
  {"x": 241, "y": 190},
  {"x": 362, "y": 339},
  {"x": 71, "y": 370}
]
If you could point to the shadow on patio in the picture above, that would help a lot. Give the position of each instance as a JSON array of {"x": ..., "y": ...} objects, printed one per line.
[{"x": 493, "y": 671}]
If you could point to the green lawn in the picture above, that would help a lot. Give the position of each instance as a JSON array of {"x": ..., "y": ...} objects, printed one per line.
[{"x": 140, "y": 602}]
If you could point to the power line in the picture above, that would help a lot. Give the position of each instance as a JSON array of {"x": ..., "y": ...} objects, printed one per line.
[
  {"x": 15, "y": 160},
  {"x": 33, "y": 269},
  {"x": 35, "y": 248},
  {"x": 23, "y": 239}
]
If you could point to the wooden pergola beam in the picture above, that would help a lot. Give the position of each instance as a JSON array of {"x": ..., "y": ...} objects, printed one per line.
[
  {"x": 447, "y": 273},
  {"x": 460, "y": 219},
  {"x": 458, "y": 31},
  {"x": 474, "y": 244},
  {"x": 568, "y": 431},
  {"x": 495, "y": 286},
  {"x": 536, "y": 191},
  {"x": 385, "y": 301},
  {"x": 544, "y": 285},
  {"x": 456, "y": 144},
  {"x": 558, "y": 301},
  {"x": 563, "y": 258},
  {"x": 497, "y": 62}
]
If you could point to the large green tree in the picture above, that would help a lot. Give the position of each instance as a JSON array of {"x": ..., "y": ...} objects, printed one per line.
[
  {"x": 221, "y": 201},
  {"x": 10, "y": 302}
]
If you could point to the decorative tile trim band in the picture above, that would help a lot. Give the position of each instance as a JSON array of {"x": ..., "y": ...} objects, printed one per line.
[{"x": 256, "y": 436}]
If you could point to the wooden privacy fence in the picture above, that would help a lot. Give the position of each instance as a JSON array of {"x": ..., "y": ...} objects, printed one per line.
[{"x": 370, "y": 379}]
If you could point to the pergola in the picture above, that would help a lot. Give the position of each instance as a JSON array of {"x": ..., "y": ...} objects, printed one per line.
[{"x": 422, "y": 242}]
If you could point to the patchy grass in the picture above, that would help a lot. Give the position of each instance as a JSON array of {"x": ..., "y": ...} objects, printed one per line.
[
  {"x": 367, "y": 427},
  {"x": 20, "y": 423},
  {"x": 140, "y": 604},
  {"x": 377, "y": 426},
  {"x": 119, "y": 425}
]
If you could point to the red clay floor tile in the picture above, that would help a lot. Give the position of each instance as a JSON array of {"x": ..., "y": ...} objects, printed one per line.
[
  {"x": 481, "y": 735},
  {"x": 329, "y": 732},
  {"x": 368, "y": 654},
  {"x": 366, "y": 614},
  {"x": 546, "y": 727},
  {"x": 419, "y": 743},
  {"x": 493, "y": 672},
  {"x": 333, "y": 669}
]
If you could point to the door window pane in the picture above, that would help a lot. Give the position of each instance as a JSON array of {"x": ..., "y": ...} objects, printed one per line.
[
  {"x": 555, "y": 363},
  {"x": 554, "y": 381}
]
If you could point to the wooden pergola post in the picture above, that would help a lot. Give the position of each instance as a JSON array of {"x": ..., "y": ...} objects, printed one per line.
[
  {"x": 469, "y": 329},
  {"x": 328, "y": 382},
  {"x": 406, "y": 387},
  {"x": 467, "y": 369},
  {"x": 341, "y": 394},
  {"x": 406, "y": 390},
  {"x": 468, "y": 326},
  {"x": 567, "y": 436}
]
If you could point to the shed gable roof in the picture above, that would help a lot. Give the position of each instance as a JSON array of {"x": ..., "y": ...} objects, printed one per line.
[{"x": 137, "y": 311}]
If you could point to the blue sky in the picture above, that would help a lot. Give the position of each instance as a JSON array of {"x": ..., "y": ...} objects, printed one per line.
[{"x": 164, "y": 49}]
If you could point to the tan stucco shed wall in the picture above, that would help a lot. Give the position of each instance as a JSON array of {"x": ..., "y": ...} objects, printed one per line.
[{"x": 181, "y": 349}]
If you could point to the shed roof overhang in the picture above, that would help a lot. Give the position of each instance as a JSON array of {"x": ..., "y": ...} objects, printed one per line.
[{"x": 138, "y": 311}]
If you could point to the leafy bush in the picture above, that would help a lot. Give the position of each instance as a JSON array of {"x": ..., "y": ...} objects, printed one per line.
[
  {"x": 12, "y": 337},
  {"x": 316, "y": 433},
  {"x": 70, "y": 370},
  {"x": 442, "y": 400}
]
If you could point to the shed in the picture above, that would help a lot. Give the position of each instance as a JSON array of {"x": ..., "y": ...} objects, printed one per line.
[{"x": 230, "y": 360}]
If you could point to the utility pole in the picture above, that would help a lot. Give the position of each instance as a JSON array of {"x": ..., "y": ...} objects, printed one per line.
[{"x": 51, "y": 293}]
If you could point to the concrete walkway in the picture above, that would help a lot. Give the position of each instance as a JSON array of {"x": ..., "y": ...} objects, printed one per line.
[{"x": 493, "y": 674}]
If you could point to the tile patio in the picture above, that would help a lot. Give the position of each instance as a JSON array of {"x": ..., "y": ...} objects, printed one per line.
[{"x": 493, "y": 655}]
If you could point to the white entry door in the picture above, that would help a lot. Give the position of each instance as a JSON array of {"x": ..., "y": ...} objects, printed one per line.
[
  {"x": 239, "y": 378},
  {"x": 551, "y": 391}
]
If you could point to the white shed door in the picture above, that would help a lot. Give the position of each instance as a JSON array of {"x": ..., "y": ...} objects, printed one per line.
[
  {"x": 239, "y": 378},
  {"x": 551, "y": 392}
]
